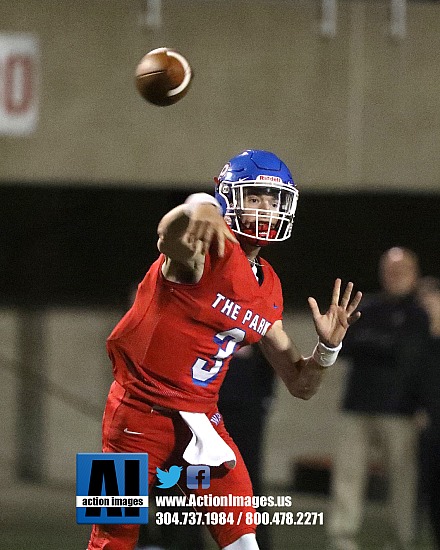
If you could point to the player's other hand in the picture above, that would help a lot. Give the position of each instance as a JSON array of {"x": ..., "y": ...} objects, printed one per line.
[
  {"x": 206, "y": 226},
  {"x": 332, "y": 326}
]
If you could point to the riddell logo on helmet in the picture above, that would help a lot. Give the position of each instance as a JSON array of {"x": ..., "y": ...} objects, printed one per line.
[{"x": 269, "y": 178}]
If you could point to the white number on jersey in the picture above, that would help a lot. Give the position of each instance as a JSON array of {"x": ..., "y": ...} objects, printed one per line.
[{"x": 202, "y": 373}]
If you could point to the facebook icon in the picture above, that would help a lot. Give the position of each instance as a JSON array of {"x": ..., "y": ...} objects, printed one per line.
[{"x": 198, "y": 476}]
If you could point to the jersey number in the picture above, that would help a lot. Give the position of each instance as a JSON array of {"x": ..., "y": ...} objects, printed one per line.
[{"x": 202, "y": 373}]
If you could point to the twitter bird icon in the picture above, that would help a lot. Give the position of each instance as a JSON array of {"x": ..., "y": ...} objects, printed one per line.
[{"x": 170, "y": 478}]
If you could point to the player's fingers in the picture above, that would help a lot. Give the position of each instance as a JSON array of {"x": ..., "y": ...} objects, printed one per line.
[
  {"x": 198, "y": 247},
  {"x": 336, "y": 292},
  {"x": 353, "y": 318},
  {"x": 199, "y": 230},
  {"x": 188, "y": 232},
  {"x": 188, "y": 240},
  {"x": 207, "y": 239},
  {"x": 221, "y": 235},
  {"x": 194, "y": 232},
  {"x": 230, "y": 236},
  {"x": 355, "y": 302},
  {"x": 313, "y": 304},
  {"x": 346, "y": 296}
]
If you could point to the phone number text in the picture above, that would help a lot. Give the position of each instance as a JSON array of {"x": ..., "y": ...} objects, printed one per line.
[{"x": 240, "y": 518}]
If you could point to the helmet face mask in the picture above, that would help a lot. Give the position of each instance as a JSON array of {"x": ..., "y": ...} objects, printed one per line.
[
  {"x": 258, "y": 197},
  {"x": 262, "y": 212}
]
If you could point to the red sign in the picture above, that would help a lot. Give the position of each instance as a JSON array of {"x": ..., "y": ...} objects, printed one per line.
[{"x": 19, "y": 76}]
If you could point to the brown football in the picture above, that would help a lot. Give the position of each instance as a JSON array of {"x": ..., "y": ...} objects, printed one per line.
[{"x": 163, "y": 76}]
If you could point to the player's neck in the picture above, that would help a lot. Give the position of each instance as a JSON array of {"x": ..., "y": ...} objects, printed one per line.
[{"x": 250, "y": 250}]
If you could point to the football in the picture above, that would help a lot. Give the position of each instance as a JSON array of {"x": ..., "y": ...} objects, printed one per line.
[{"x": 163, "y": 76}]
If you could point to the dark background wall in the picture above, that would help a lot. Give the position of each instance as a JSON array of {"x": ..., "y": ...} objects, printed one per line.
[{"x": 84, "y": 245}]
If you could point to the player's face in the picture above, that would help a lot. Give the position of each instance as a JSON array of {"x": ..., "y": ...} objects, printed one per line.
[
  {"x": 263, "y": 211},
  {"x": 260, "y": 201}
]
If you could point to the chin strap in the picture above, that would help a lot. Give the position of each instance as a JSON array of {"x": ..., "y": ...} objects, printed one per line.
[{"x": 251, "y": 240}]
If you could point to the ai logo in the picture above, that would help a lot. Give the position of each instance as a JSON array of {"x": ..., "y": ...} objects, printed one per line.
[{"x": 112, "y": 488}]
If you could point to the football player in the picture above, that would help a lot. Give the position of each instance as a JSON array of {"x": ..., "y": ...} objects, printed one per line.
[{"x": 208, "y": 294}]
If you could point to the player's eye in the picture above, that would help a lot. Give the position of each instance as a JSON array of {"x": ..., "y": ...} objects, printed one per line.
[{"x": 252, "y": 200}]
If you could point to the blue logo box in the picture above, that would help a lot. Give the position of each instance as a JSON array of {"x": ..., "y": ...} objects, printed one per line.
[{"x": 112, "y": 488}]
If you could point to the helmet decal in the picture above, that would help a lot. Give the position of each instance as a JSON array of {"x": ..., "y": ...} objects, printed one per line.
[{"x": 224, "y": 170}]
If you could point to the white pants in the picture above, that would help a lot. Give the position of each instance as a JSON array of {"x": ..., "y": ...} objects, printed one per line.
[{"x": 397, "y": 438}]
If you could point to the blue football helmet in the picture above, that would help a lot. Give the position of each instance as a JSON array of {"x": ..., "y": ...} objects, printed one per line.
[{"x": 258, "y": 196}]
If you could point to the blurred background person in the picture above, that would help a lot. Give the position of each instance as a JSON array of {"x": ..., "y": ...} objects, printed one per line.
[
  {"x": 429, "y": 297},
  {"x": 385, "y": 352}
]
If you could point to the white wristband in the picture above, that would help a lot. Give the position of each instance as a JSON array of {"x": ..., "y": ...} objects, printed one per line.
[
  {"x": 324, "y": 355},
  {"x": 200, "y": 198}
]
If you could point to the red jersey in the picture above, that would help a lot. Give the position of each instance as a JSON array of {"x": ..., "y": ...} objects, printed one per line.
[{"x": 173, "y": 347}]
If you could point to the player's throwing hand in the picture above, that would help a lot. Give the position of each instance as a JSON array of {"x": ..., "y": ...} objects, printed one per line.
[
  {"x": 205, "y": 226},
  {"x": 332, "y": 326}
]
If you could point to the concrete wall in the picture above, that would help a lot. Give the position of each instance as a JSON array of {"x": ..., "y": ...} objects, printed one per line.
[
  {"x": 9, "y": 385},
  {"x": 78, "y": 375},
  {"x": 74, "y": 383},
  {"x": 300, "y": 429},
  {"x": 358, "y": 111}
]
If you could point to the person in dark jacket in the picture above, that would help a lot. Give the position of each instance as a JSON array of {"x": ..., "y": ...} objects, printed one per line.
[
  {"x": 429, "y": 297},
  {"x": 386, "y": 358}
]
